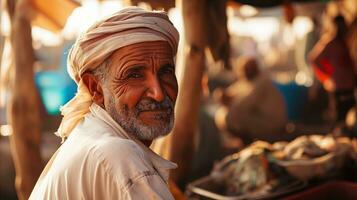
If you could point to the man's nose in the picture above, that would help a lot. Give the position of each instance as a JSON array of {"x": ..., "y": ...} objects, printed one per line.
[{"x": 155, "y": 90}]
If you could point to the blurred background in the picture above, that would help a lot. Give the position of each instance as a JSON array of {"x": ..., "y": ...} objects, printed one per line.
[{"x": 269, "y": 70}]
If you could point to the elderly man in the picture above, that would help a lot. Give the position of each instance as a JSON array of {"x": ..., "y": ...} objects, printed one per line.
[{"x": 127, "y": 88}]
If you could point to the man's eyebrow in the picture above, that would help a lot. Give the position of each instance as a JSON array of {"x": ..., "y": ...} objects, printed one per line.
[
  {"x": 167, "y": 65},
  {"x": 136, "y": 68}
]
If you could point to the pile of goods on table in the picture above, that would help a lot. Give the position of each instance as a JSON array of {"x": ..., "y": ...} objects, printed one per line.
[{"x": 263, "y": 168}]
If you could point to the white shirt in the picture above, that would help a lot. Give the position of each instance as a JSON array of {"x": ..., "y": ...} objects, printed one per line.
[{"x": 99, "y": 160}]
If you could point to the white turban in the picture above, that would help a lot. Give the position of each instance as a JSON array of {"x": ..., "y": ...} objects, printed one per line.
[{"x": 128, "y": 26}]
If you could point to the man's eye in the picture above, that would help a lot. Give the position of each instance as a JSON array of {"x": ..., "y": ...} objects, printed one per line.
[{"x": 167, "y": 70}]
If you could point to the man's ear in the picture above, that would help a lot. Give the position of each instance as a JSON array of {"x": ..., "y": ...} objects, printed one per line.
[{"x": 94, "y": 87}]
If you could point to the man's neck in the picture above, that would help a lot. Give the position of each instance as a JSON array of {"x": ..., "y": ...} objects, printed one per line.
[{"x": 146, "y": 142}]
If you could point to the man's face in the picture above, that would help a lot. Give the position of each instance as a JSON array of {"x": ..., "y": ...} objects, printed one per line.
[{"x": 141, "y": 89}]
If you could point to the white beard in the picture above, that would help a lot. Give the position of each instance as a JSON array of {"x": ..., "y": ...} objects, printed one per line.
[{"x": 129, "y": 121}]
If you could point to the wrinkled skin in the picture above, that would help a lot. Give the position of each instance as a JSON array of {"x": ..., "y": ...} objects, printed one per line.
[{"x": 140, "y": 90}]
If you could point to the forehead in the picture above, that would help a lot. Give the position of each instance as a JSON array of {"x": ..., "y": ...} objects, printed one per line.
[{"x": 158, "y": 49}]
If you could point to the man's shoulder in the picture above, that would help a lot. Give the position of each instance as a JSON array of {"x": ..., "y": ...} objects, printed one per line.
[
  {"x": 100, "y": 150},
  {"x": 115, "y": 147},
  {"x": 102, "y": 141},
  {"x": 121, "y": 157}
]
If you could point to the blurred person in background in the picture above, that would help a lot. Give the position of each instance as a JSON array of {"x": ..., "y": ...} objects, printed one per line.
[
  {"x": 351, "y": 117},
  {"x": 252, "y": 107},
  {"x": 352, "y": 41},
  {"x": 334, "y": 68}
]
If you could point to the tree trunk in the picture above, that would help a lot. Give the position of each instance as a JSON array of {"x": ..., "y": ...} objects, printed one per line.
[{"x": 23, "y": 105}]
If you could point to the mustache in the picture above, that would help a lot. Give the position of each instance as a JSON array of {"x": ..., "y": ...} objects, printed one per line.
[{"x": 150, "y": 104}]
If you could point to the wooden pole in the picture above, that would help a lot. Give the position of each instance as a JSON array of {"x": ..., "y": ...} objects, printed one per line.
[
  {"x": 201, "y": 30},
  {"x": 23, "y": 105},
  {"x": 181, "y": 140}
]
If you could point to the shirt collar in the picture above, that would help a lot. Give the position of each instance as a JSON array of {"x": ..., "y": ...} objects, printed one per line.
[{"x": 160, "y": 164}]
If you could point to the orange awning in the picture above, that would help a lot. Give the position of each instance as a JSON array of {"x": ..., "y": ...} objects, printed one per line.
[{"x": 52, "y": 14}]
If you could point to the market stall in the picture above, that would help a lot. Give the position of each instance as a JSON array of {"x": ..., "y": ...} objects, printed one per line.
[{"x": 270, "y": 171}]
